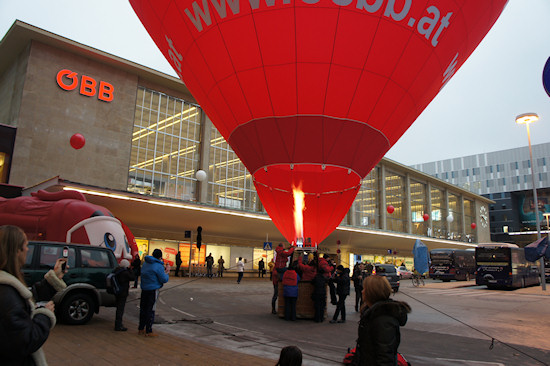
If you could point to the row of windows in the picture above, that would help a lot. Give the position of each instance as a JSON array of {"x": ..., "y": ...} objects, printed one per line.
[{"x": 499, "y": 168}]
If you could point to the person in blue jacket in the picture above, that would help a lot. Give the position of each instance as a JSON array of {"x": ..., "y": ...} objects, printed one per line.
[{"x": 153, "y": 276}]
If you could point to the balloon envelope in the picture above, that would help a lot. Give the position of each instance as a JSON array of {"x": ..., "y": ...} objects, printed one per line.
[{"x": 314, "y": 93}]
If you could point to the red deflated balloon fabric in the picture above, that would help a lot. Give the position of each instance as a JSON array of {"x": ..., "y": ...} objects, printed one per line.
[{"x": 314, "y": 92}]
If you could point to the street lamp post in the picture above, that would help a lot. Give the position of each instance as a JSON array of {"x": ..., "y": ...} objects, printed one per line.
[{"x": 526, "y": 119}]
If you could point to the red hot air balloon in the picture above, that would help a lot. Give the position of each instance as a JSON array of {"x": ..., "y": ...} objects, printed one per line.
[
  {"x": 473, "y": 225},
  {"x": 390, "y": 209},
  {"x": 311, "y": 94},
  {"x": 426, "y": 217}
]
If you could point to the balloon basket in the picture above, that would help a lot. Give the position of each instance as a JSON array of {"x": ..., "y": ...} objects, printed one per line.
[{"x": 305, "y": 308}]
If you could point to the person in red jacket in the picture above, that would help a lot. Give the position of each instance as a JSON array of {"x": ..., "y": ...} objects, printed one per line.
[
  {"x": 290, "y": 291},
  {"x": 282, "y": 257},
  {"x": 309, "y": 271}
]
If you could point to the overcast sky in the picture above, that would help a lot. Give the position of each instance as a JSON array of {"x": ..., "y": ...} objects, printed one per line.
[{"x": 474, "y": 113}]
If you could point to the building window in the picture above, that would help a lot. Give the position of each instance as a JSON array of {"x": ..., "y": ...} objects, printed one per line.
[
  {"x": 541, "y": 162},
  {"x": 395, "y": 196},
  {"x": 232, "y": 185},
  {"x": 165, "y": 146},
  {"x": 366, "y": 205},
  {"x": 514, "y": 165},
  {"x": 489, "y": 169},
  {"x": 419, "y": 207},
  {"x": 526, "y": 164}
]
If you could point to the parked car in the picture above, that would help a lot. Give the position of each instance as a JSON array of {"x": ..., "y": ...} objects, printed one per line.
[
  {"x": 403, "y": 272},
  {"x": 390, "y": 272},
  {"x": 88, "y": 267}
]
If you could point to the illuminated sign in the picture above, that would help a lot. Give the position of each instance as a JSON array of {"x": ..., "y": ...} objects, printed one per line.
[{"x": 69, "y": 80}]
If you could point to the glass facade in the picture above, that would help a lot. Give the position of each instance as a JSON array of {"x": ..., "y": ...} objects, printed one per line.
[
  {"x": 469, "y": 218},
  {"x": 366, "y": 206},
  {"x": 230, "y": 184},
  {"x": 395, "y": 196},
  {"x": 165, "y": 146},
  {"x": 439, "y": 213},
  {"x": 455, "y": 209},
  {"x": 419, "y": 206}
]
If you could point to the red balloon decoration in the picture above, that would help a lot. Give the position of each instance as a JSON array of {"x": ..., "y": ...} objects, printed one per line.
[
  {"x": 312, "y": 94},
  {"x": 390, "y": 209},
  {"x": 426, "y": 217},
  {"x": 77, "y": 141},
  {"x": 473, "y": 225}
]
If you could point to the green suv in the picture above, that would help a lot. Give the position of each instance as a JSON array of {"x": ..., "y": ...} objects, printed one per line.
[{"x": 85, "y": 278}]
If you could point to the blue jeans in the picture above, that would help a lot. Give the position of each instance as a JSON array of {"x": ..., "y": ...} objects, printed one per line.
[
  {"x": 240, "y": 277},
  {"x": 147, "y": 309}
]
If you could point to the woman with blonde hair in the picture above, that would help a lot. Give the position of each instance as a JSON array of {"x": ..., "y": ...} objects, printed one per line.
[
  {"x": 381, "y": 317},
  {"x": 24, "y": 326}
]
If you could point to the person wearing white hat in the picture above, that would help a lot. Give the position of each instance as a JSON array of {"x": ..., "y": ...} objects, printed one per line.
[{"x": 123, "y": 275}]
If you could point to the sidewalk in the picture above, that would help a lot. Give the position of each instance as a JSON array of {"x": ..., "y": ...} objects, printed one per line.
[{"x": 96, "y": 343}]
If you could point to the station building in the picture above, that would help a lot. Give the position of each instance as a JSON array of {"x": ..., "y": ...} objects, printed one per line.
[
  {"x": 504, "y": 176},
  {"x": 145, "y": 139}
]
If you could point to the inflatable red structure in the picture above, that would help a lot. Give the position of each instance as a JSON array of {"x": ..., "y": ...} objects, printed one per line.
[
  {"x": 313, "y": 93},
  {"x": 66, "y": 216}
]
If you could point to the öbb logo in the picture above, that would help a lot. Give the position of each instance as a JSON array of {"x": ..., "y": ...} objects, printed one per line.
[{"x": 68, "y": 80}]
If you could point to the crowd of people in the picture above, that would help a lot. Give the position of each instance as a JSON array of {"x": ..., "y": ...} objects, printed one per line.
[{"x": 23, "y": 332}]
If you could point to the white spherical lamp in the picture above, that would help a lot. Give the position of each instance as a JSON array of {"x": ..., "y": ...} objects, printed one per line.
[
  {"x": 200, "y": 175},
  {"x": 450, "y": 218}
]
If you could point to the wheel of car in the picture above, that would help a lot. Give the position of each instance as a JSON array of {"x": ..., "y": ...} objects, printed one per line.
[{"x": 77, "y": 309}]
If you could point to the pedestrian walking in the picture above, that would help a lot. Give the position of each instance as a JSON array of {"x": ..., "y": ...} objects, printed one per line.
[
  {"x": 123, "y": 275},
  {"x": 136, "y": 267},
  {"x": 240, "y": 269},
  {"x": 209, "y": 265},
  {"x": 290, "y": 356},
  {"x": 24, "y": 326},
  {"x": 381, "y": 317},
  {"x": 261, "y": 268},
  {"x": 342, "y": 282},
  {"x": 153, "y": 276},
  {"x": 221, "y": 262},
  {"x": 178, "y": 264}
]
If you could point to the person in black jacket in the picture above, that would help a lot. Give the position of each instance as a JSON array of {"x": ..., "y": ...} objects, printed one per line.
[
  {"x": 136, "y": 268},
  {"x": 342, "y": 282},
  {"x": 24, "y": 326},
  {"x": 123, "y": 275},
  {"x": 381, "y": 317},
  {"x": 357, "y": 279}
]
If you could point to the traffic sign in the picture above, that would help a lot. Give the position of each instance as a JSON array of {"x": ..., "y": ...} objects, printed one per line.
[{"x": 268, "y": 245}]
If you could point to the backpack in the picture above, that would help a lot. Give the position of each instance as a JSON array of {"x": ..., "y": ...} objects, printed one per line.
[{"x": 111, "y": 282}]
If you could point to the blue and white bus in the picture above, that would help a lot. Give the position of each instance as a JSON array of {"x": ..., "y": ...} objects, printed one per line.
[{"x": 502, "y": 265}]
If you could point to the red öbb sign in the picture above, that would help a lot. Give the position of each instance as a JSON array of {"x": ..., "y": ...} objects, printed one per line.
[{"x": 69, "y": 80}]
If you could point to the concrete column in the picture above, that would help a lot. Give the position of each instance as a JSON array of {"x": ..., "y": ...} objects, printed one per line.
[
  {"x": 383, "y": 212},
  {"x": 463, "y": 228},
  {"x": 204, "y": 160},
  {"x": 408, "y": 218},
  {"x": 429, "y": 232}
]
